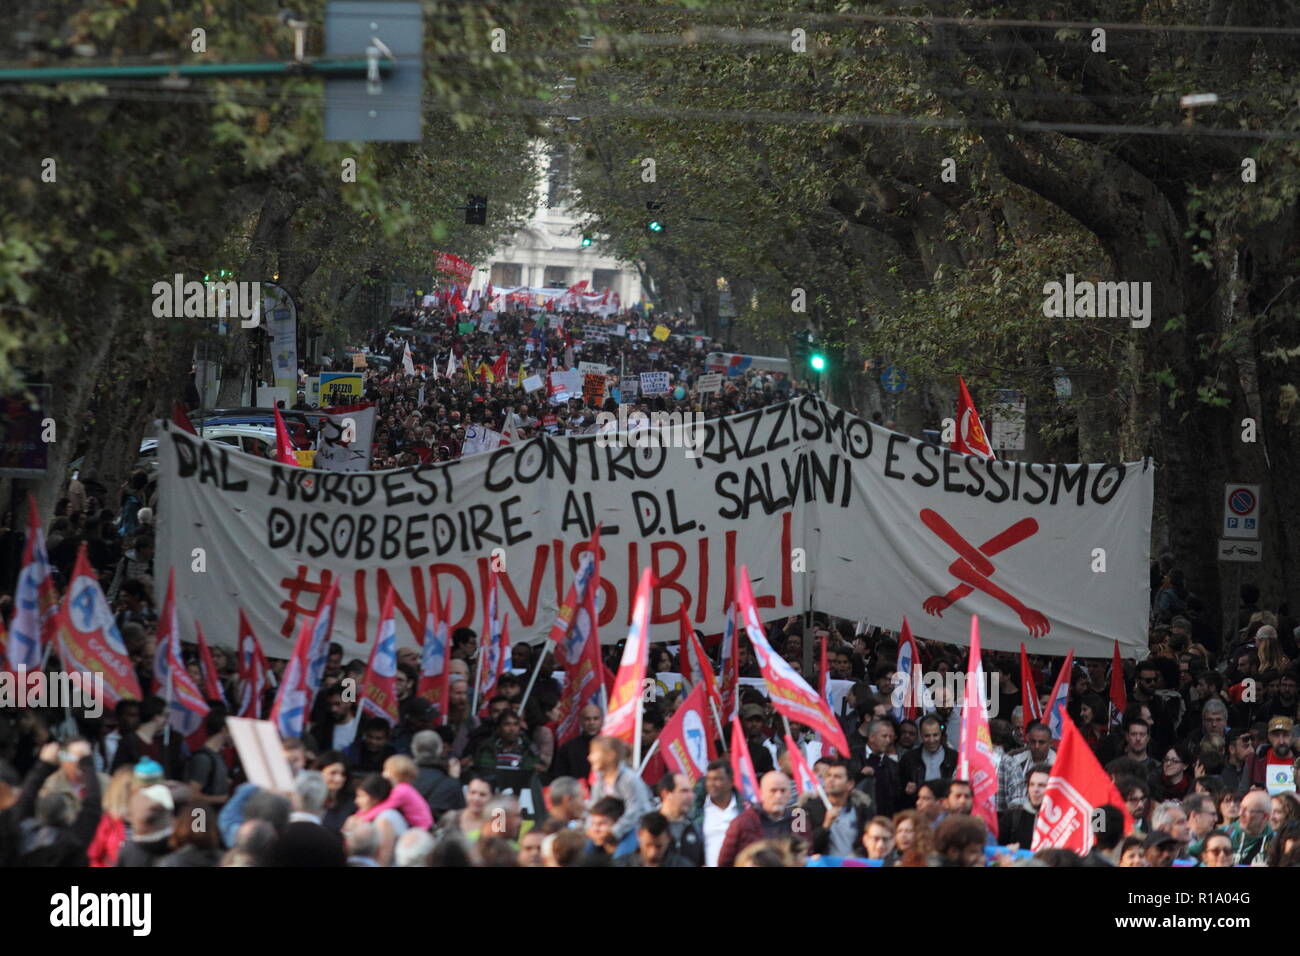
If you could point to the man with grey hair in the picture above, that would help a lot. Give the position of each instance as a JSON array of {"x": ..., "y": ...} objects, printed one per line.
[
  {"x": 566, "y": 802},
  {"x": 414, "y": 848},
  {"x": 361, "y": 838},
  {"x": 1170, "y": 817},
  {"x": 1201, "y": 820},
  {"x": 1214, "y": 721},
  {"x": 309, "y": 797},
  {"x": 440, "y": 789}
]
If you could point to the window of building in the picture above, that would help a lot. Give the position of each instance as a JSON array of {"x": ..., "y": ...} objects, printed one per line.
[
  {"x": 602, "y": 279},
  {"x": 557, "y": 177},
  {"x": 507, "y": 275},
  {"x": 557, "y": 277}
]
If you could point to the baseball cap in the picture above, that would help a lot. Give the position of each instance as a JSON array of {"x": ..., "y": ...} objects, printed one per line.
[
  {"x": 1159, "y": 838},
  {"x": 1281, "y": 723},
  {"x": 148, "y": 769},
  {"x": 750, "y": 710}
]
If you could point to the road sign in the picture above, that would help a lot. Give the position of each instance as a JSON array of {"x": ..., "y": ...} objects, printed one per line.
[
  {"x": 1240, "y": 511},
  {"x": 893, "y": 379},
  {"x": 1230, "y": 550}
]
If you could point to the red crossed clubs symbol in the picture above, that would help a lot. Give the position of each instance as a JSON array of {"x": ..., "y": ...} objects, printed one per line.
[{"x": 973, "y": 568}]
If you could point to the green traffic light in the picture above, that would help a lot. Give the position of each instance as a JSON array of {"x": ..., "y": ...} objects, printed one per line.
[
  {"x": 818, "y": 362},
  {"x": 586, "y": 241},
  {"x": 655, "y": 226}
]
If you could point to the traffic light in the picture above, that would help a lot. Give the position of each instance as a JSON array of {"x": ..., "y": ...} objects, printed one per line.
[
  {"x": 586, "y": 241},
  {"x": 817, "y": 361},
  {"x": 476, "y": 211},
  {"x": 654, "y": 225}
]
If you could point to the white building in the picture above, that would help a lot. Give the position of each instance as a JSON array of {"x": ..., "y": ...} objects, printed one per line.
[{"x": 548, "y": 251}]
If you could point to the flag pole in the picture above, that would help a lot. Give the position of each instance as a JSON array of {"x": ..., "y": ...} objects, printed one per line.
[
  {"x": 167, "y": 727},
  {"x": 636, "y": 732},
  {"x": 821, "y": 792},
  {"x": 649, "y": 753},
  {"x": 478, "y": 676},
  {"x": 537, "y": 669}
]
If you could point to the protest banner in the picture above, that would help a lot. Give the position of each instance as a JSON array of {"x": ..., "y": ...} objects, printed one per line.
[
  {"x": 630, "y": 387},
  {"x": 707, "y": 384},
  {"x": 454, "y": 265},
  {"x": 593, "y": 389},
  {"x": 344, "y": 439},
  {"x": 592, "y": 368},
  {"x": 655, "y": 383},
  {"x": 944, "y": 535},
  {"x": 480, "y": 438},
  {"x": 533, "y": 383},
  {"x": 341, "y": 388}
]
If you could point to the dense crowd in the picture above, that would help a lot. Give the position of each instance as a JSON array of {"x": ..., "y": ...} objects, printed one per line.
[{"x": 1203, "y": 755}]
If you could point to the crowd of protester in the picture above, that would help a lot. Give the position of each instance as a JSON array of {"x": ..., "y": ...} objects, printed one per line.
[{"x": 1200, "y": 756}]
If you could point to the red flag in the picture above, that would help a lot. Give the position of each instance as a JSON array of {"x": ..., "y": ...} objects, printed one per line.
[
  {"x": 489, "y": 645},
  {"x": 293, "y": 699},
  {"x": 186, "y": 707},
  {"x": 500, "y": 367},
  {"x": 625, "y": 698},
  {"x": 700, "y": 669},
  {"x": 975, "y": 763},
  {"x": 1030, "y": 708},
  {"x": 686, "y": 742},
  {"x": 283, "y": 445},
  {"x": 1056, "y": 717},
  {"x": 1077, "y": 787},
  {"x": 789, "y": 693},
  {"x": 910, "y": 690},
  {"x": 254, "y": 675},
  {"x": 970, "y": 438},
  {"x": 88, "y": 640},
  {"x": 181, "y": 418},
  {"x": 742, "y": 764},
  {"x": 823, "y": 684},
  {"x": 435, "y": 657},
  {"x": 379, "y": 687},
  {"x": 1118, "y": 696},
  {"x": 805, "y": 781},
  {"x": 577, "y": 644},
  {"x": 212, "y": 688}
]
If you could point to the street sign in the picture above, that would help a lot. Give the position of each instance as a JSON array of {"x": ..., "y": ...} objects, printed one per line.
[
  {"x": 1240, "y": 511},
  {"x": 1230, "y": 550},
  {"x": 387, "y": 111},
  {"x": 893, "y": 379}
]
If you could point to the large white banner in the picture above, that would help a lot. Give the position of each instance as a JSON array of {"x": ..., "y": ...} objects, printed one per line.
[
  {"x": 345, "y": 439},
  {"x": 827, "y": 510}
]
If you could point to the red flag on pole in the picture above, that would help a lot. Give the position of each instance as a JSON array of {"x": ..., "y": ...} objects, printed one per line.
[
  {"x": 975, "y": 762},
  {"x": 686, "y": 742},
  {"x": 211, "y": 679},
  {"x": 35, "y": 599},
  {"x": 283, "y": 445},
  {"x": 696, "y": 667},
  {"x": 254, "y": 675},
  {"x": 379, "y": 686},
  {"x": 624, "y": 718},
  {"x": 1056, "y": 717},
  {"x": 788, "y": 691},
  {"x": 1118, "y": 696},
  {"x": 730, "y": 689},
  {"x": 970, "y": 438},
  {"x": 499, "y": 368},
  {"x": 435, "y": 657},
  {"x": 911, "y": 688},
  {"x": 1030, "y": 708},
  {"x": 742, "y": 764},
  {"x": 1076, "y": 788},
  {"x": 805, "y": 781},
  {"x": 577, "y": 644},
  {"x": 88, "y": 639},
  {"x": 186, "y": 707}
]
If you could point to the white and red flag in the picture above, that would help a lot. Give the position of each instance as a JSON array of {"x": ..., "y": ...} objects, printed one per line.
[
  {"x": 729, "y": 690},
  {"x": 975, "y": 761},
  {"x": 35, "y": 600},
  {"x": 293, "y": 699},
  {"x": 88, "y": 639},
  {"x": 789, "y": 693},
  {"x": 212, "y": 688},
  {"x": 379, "y": 687},
  {"x": 696, "y": 667},
  {"x": 1030, "y": 708},
  {"x": 686, "y": 742},
  {"x": 577, "y": 644},
  {"x": 805, "y": 781},
  {"x": 283, "y": 443},
  {"x": 489, "y": 645},
  {"x": 1056, "y": 718},
  {"x": 186, "y": 707},
  {"x": 1078, "y": 786},
  {"x": 624, "y": 717},
  {"x": 742, "y": 764},
  {"x": 970, "y": 438},
  {"x": 435, "y": 657},
  {"x": 909, "y": 688},
  {"x": 254, "y": 674}
]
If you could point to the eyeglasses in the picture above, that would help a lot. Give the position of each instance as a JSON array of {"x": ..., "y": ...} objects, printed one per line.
[
  {"x": 1174, "y": 760},
  {"x": 1219, "y": 851}
]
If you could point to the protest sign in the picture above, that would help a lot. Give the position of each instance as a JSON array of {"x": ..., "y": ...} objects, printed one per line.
[
  {"x": 630, "y": 388},
  {"x": 343, "y": 442},
  {"x": 341, "y": 388},
  {"x": 593, "y": 390},
  {"x": 655, "y": 383},
  {"x": 707, "y": 384},
  {"x": 532, "y": 383}
]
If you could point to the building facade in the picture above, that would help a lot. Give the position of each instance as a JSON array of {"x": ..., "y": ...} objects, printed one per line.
[{"x": 548, "y": 252}]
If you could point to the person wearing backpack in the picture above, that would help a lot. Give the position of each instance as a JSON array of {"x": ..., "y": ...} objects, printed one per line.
[{"x": 206, "y": 768}]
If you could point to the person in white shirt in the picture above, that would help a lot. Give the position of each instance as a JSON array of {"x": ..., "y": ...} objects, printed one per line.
[{"x": 721, "y": 806}]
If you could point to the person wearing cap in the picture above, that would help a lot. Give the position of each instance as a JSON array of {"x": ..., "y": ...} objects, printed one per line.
[
  {"x": 752, "y": 718},
  {"x": 150, "y": 814},
  {"x": 1160, "y": 848},
  {"x": 1275, "y": 761}
]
